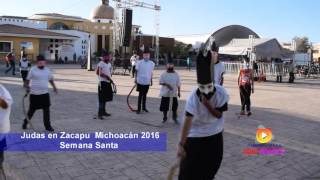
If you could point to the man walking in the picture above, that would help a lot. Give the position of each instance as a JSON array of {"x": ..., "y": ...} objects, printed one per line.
[
  {"x": 170, "y": 82},
  {"x": 37, "y": 84},
  {"x": 246, "y": 86},
  {"x": 24, "y": 67},
  {"x": 105, "y": 93},
  {"x": 12, "y": 62},
  {"x": 201, "y": 139},
  {"x": 218, "y": 72},
  {"x": 133, "y": 60},
  {"x": 144, "y": 69},
  {"x": 5, "y": 109}
]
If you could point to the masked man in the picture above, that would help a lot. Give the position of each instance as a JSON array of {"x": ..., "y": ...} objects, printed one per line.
[
  {"x": 246, "y": 86},
  {"x": 144, "y": 70},
  {"x": 24, "y": 65},
  {"x": 201, "y": 143},
  {"x": 105, "y": 93},
  {"x": 37, "y": 84},
  {"x": 5, "y": 110},
  {"x": 170, "y": 90}
]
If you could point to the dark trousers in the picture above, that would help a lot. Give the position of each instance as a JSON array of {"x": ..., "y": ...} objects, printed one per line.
[
  {"x": 142, "y": 98},
  {"x": 12, "y": 67},
  {"x": 245, "y": 93},
  {"x": 133, "y": 71},
  {"x": 279, "y": 78},
  {"x": 203, "y": 158},
  {"x": 1, "y": 158},
  {"x": 102, "y": 106},
  {"x": 46, "y": 116},
  {"x": 24, "y": 75},
  {"x": 291, "y": 77},
  {"x": 164, "y": 106}
]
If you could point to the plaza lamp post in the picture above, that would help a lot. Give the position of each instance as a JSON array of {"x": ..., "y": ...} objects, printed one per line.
[{"x": 89, "y": 60}]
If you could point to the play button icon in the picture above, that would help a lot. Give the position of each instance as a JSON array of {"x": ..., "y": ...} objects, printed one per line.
[{"x": 264, "y": 135}]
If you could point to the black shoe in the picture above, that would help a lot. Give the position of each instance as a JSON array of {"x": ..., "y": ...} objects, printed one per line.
[
  {"x": 164, "y": 119},
  {"x": 138, "y": 112},
  {"x": 175, "y": 120},
  {"x": 249, "y": 113},
  {"x": 100, "y": 117},
  {"x": 106, "y": 114},
  {"x": 24, "y": 125},
  {"x": 50, "y": 129},
  {"x": 145, "y": 110}
]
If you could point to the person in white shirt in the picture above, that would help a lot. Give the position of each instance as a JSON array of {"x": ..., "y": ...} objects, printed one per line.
[
  {"x": 218, "y": 72},
  {"x": 105, "y": 93},
  {"x": 37, "y": 84},
  {"x": 5, "y": 110},
  {"x": 144, "y": 70},
  {"x": 24, "y": 67},
  {"x": 133, "y": 60},
  {"x": 201, "y": 142},
  {"x": 170, "y": 90}
]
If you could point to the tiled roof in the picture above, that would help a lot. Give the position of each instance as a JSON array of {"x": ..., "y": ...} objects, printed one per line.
[{"x": 10, "y": 30}]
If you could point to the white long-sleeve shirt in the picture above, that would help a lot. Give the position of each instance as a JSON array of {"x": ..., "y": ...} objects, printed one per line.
[{"x": 5, "y": 113}]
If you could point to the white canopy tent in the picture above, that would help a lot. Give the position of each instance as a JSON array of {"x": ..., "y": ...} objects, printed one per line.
[{"x": 261, "y": 48}]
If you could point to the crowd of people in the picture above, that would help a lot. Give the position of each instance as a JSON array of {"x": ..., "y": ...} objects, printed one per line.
[{"x": 201, "y": 138}]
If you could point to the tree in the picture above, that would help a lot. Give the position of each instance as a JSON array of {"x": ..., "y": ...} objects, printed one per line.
[
  {"x": 302, "y": 44},
  {"x": 181, "y": 49}
]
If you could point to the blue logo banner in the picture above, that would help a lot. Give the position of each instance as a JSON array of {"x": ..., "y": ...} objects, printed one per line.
[{"x": 97, "y": 141}]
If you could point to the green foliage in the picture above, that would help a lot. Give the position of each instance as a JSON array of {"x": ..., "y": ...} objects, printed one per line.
[{"x": 302, "y": 44}]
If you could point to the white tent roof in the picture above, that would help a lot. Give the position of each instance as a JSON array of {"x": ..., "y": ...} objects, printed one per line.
[{"x": 263, "y": 47}]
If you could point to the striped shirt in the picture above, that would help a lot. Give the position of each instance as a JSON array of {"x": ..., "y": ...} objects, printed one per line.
[{"x": 39, "y": 80}]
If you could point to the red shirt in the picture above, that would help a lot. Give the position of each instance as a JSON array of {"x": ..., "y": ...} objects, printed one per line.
[{"x": 245, "y": 76}]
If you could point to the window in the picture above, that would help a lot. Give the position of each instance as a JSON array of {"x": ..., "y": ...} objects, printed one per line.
[
  {"x": 51, "y": 45},
  {"x": 57, "y": 51},
  {"x": 51, "y": 40},
  {"x": 51, "y": 51},
  {"x": 56, "y": 40},
  {"x": 5, "y": 46},
  {"x": 59, "y": 26},
  {"x": 57, "y": 45}
]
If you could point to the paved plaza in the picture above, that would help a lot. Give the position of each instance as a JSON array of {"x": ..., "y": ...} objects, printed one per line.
[{"x": 291, "y": 110}]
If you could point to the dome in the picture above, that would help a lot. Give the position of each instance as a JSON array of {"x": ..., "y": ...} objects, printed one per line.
[
  {"x": 224, "y": 35},
  {"x": 103, "y": 11}
]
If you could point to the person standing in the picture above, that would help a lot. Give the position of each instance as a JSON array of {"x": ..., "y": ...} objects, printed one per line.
[
  {"x": 24, "y": 65},
  {"x": 291, "y": 72},
  {"x": 12, "y": 62},
  {"x": 218, "y": 72},
  {"x": 170, "y": 90},
  {"x": 133, "y": 61},
  {"x": 5, "y": 110},
  {"x": 246, "y": 86},
  {"x": 105, "y": 93},
  {"x": 144, "y": 69},
  {"x": 189, "y": 61},
  {"x": 37, "y": 84},
  {"x": 201, "y": 137}
]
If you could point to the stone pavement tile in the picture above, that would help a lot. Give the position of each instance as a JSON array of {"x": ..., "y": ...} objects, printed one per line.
[
  {"x": 88, "y": 177},
  {"x": 120, "y": 178},
  {"x": 133, "y": 172},
  {"x": 111, "y": 173},
  {"x": 60, "y": 178}
]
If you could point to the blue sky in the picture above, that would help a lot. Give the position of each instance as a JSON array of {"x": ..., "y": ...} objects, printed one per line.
[{"x": 281, "y": 19}]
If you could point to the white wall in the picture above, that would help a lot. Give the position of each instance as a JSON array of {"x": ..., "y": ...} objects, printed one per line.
[
  {"x": 24, "y": 22},
  {"x": 80, "y": 45},
  {"x": 301, "y": 58}
]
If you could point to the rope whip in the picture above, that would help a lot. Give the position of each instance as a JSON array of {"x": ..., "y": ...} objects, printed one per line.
[{"x": 128, "y": 97}]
